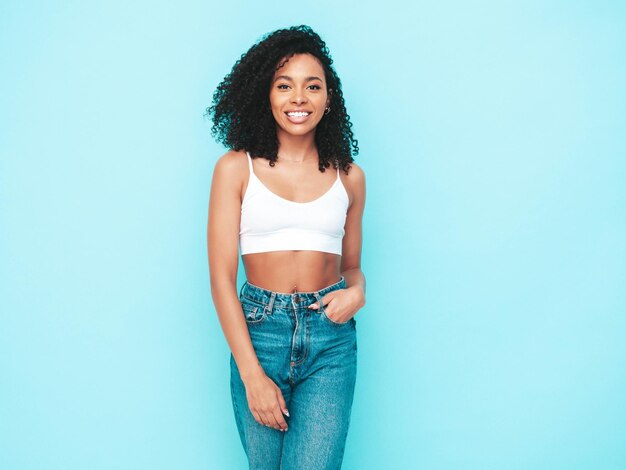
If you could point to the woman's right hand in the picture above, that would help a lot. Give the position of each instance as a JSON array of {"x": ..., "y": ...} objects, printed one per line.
[{"x": 266, "y": 401}]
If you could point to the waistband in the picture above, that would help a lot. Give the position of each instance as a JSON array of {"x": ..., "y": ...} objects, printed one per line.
[{"x": 282, "y": 299}]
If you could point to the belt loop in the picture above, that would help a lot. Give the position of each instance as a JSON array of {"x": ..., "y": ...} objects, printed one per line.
[
  {"x": 270, "y": 305},
  {"x": 240, "y": 290},
  {"x": 318, "y": 299}
]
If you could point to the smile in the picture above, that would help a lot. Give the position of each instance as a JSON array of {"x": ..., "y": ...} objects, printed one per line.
[{"x": 298, "y": 117}]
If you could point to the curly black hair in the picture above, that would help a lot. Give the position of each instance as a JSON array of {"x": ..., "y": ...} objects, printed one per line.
[{"x": 242, "y": 117}]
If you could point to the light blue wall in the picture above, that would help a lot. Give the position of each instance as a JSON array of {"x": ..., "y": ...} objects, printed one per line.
[{"x": 492, "y": 137}]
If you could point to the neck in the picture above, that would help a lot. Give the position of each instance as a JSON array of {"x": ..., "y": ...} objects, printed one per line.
[{"x": 296, "y": 148}]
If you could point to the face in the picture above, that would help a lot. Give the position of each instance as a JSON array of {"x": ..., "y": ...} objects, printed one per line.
[{"x": 298, "y": 94}]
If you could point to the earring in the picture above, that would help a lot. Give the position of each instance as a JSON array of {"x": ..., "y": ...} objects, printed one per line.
[{"x": 327, "y": 110}]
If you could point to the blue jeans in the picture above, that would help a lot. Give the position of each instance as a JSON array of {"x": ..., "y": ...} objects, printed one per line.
[{"x": 313, "y": 361}]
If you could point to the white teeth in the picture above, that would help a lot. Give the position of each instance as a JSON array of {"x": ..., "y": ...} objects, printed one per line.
[{"x": 298, "y": 114}]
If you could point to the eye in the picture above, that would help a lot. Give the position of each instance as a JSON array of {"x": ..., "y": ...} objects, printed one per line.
[
  {"x": 317, "y": 87},
  {"x": 281, "y": 85}
]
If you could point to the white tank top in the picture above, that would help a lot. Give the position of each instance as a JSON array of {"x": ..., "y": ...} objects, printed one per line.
[{"x": 271, "y": 223}]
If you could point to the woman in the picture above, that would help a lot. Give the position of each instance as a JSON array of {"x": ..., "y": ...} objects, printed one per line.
[{"x": 291, "y": 330}]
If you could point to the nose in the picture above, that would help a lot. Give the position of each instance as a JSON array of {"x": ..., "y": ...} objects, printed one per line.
[{"x": 298, "y": 97}]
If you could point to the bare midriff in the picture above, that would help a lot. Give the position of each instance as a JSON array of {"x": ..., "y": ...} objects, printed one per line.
[{"x": 293, "y": 270}]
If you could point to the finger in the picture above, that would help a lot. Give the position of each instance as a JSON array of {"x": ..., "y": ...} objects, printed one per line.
[
  {"x": 265, "y": 419},
  {"x": 324, "y": 301},
  {"x": 257, "y": 417},
  {"x": 283, "y": 404},
  {"x": 262, "y": 419},
  {"x": 280, "y": 420},
  {"x": 314, "y": 306},
  {"x": 276, "y": 418},
  {"x": 271, "y": 420},
  {"x": 280, "y": 409}
]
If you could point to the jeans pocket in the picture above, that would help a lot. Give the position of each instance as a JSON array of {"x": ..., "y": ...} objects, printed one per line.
[
  {"x": 329, "y": 320},
  {"x": 253, "y": 313}
]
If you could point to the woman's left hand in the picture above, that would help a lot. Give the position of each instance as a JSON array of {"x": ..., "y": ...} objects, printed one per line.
[{"x": 342, "y": 304}]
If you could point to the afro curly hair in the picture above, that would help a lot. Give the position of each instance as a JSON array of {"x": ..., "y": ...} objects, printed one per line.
[{"x": 241, "y": 112}]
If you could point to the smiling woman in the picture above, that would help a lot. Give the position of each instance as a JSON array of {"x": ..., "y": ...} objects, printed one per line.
[
  {"x": 284, "y": 85},
  {"x": 291, "y": 330},
  {"x": 298, "y": 100}
]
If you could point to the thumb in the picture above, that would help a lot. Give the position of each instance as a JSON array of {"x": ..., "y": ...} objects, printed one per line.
[{"x": 282, "y": 403}]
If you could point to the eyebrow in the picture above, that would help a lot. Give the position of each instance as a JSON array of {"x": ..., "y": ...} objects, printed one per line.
[{"x": 287, "y": 77}]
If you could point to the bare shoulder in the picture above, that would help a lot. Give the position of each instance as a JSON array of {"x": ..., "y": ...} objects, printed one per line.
[
  {"x": 355, "y": 176},
  {"x": 229, "y": 171},
  {"x": 231, "y": 163},
  {"x": 356, "y": 173},
  {"x": 354, "y": 182}
]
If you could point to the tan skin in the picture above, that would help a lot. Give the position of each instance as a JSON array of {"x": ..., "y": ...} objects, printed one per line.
[{"x": 296, "y": 177}]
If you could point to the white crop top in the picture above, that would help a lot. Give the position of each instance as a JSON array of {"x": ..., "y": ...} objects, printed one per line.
[{"x": 270, "y": 222}]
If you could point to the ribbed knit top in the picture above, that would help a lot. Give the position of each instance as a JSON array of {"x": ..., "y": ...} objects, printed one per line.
[{"x": 270, "y": 222}]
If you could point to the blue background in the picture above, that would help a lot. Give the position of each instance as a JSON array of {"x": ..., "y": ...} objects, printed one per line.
[{"x": 492, "y": 137}]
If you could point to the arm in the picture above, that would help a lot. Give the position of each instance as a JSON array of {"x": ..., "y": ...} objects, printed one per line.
[
  {"x": 223, "y": 253},
  {"x": 343, "y": 304},
  {"x": 352, "y": 240},
  {"x": 265, "y": 399}
]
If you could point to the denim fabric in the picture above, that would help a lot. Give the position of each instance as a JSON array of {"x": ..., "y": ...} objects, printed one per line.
[{"x": 313, "y": 360}]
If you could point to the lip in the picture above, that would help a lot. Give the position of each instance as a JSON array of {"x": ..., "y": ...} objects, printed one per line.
[{"x": 299, "y": 119}]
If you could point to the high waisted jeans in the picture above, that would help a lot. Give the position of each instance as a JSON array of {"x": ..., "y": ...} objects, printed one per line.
[{"x": 313, "y": 361}]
